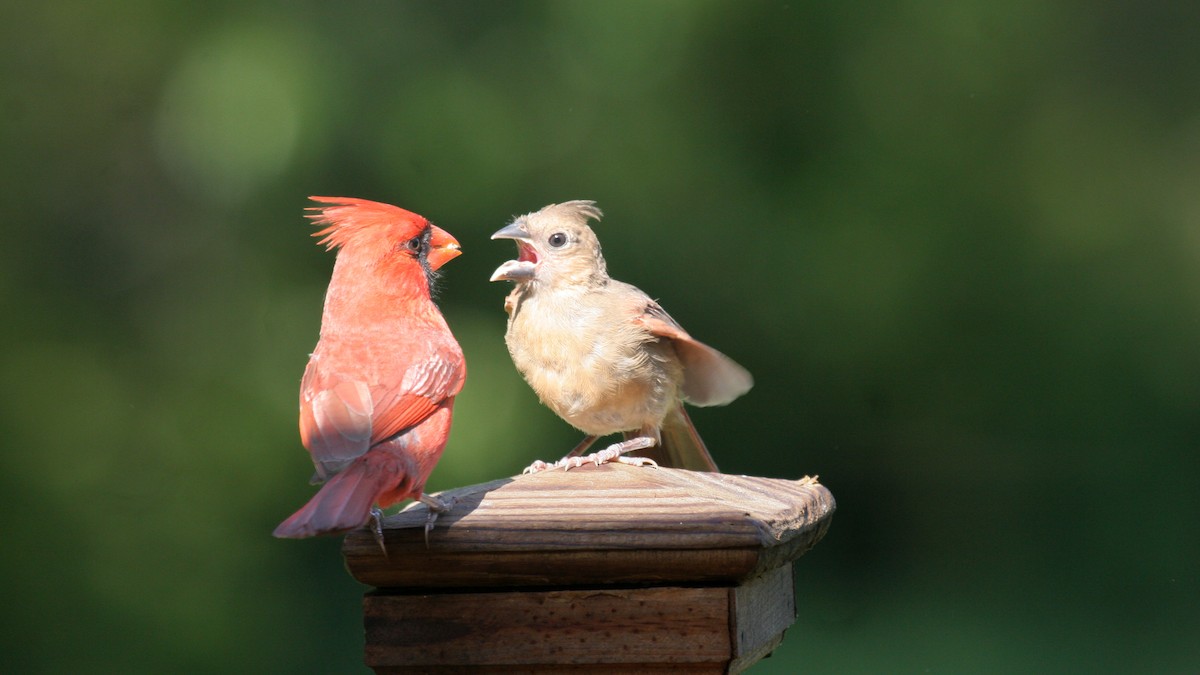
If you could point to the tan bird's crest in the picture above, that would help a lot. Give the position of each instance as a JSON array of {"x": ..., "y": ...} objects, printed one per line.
[{"x": 579, "y": 210}]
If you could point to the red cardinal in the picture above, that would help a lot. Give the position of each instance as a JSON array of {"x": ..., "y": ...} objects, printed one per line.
[{"x": 378, "y": 393}]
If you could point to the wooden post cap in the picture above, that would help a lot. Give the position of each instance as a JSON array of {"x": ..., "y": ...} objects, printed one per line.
[
  {"x": 612, "y": 524},
  {"x": 609, "y": 569}
]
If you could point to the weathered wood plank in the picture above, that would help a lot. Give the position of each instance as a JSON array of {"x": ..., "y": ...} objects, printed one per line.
[
  {"x": 617, "y": 626},
  {"x": 554, "y": 568},
  {"x": 762, "y": 610},
  {"x": 617, "y": 630}
]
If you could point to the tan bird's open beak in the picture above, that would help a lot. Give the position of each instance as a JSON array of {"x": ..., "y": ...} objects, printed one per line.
[
  {"x": 523, "y": 267},
  {"x": 511, "y": 231}
]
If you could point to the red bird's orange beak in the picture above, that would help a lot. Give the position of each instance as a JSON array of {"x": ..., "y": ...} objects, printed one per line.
[{"x": 443, "y": 247}]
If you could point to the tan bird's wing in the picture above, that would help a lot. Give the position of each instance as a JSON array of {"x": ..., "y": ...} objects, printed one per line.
[{"x": 710, "y": 377}]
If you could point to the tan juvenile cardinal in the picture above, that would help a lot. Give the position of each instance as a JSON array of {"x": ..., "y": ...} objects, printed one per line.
[
  {"x": 599, "y": 352},
  {"x": 378, "y": 393}
]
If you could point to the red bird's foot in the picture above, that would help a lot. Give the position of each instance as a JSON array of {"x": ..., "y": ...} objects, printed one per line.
[
  {"x": 377, "y": 528},
  {"x": 614, "y": 452},
  {"x": 436, "y": 508}
]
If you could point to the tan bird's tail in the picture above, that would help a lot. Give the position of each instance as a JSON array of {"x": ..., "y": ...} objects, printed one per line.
[{"x": 681, "y": 446}]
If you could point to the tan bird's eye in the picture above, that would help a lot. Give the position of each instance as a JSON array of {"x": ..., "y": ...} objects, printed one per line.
[{"x": 558, "y": 239}]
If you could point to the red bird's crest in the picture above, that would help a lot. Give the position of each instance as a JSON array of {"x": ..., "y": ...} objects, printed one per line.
[{"x": 350, "y": 219}]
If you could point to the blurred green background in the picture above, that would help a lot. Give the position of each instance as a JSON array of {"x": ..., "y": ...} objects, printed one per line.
[{"x": 958, "y": 244}]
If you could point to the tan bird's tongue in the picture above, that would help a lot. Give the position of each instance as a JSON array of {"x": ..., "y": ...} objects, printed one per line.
[{"x": 527, "y": 254}]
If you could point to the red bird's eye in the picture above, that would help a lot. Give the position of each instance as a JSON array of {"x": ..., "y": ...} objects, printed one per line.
[
  {"x": 413, "y": 244},
  {"x": 558, "y": 239}
]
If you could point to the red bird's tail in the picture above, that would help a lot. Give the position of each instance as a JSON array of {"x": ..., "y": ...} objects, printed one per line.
[{"x": 343, "y": 503}]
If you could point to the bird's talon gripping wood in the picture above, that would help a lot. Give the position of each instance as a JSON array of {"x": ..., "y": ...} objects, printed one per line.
[
  {"x": 436, "y": 508},
  {"x": 614, "y": 452},
  {"x": 377, "y": 528},
  {"x": 538, "y": 465},
  {"x": 638, "y": 461}
]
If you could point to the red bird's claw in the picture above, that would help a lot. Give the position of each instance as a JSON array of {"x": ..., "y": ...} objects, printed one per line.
[
  {"x": 436, "y": 508},
  {"x": 377, "y": 529}
]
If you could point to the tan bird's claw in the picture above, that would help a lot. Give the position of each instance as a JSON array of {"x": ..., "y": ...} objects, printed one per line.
[
  {"x": 537, "y": 466},
  {"x": 638, "y": 461}
]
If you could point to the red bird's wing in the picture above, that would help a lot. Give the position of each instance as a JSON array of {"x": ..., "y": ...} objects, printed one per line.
[
  {"x": 340, "y": 419},
  {"x": 425, "y": 386},
  {"x": 709, "y": 377},
  {"x": 335, "y": 418}
]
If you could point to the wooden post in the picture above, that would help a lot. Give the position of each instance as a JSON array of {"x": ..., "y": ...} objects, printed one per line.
[{"x": 598, "y": 569}]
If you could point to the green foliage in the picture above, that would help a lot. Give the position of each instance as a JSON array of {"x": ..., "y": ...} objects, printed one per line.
[{"x": 956, "y": 242}]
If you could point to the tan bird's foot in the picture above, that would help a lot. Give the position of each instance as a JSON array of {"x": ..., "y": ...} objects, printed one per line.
[{"x": 614, "y": 452}]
